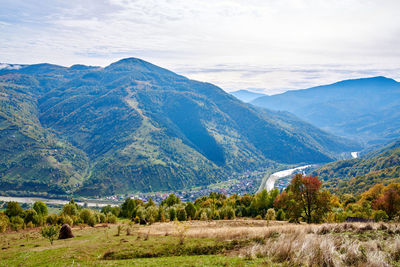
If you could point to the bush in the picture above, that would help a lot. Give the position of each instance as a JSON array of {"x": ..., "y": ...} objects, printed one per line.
[
  {"x": 203, "y": 216},
  {"x": 16, "y": 223},
  {"x": 4, "y": 223},
  {"x": 190, "y": 210},
  {"x": 65, "y": 219},
  {"x": 151, "y": 214},
  {"x": 52, "y": 219},
  {"x": 280, "y": 215},
  {"x": 30, "y": 216},
  {"x": 111, "y": 218},
  {"x": 40, "y": 208},
  {"x": 270, "y": 215},
  {"x": 76, "y": 220},
  {"x": 141, "y": 212},
  {"x": 380, "y": 216},
  {"x": 182, "y": 216},
  {"x": 172, "y": 214},
  {"x": 87, "y": 217},
  {"x": 14, "y": 209},
  {"x": 70, "y": 210},
  {"x": 102, "y": 218},
  {"x": 227, "y": 213},
  {"x": 50, "y": 232}
]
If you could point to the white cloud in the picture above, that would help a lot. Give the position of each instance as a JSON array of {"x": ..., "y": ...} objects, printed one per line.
[{"x": 260, "y": 41}]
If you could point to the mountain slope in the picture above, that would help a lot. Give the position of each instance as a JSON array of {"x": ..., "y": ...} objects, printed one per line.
[
  {"x": 362, "y": 109},
  {"x": 246, "y": 95},
  {"x": 358, "y": 175},
  {"x": 133, "y": 126}
]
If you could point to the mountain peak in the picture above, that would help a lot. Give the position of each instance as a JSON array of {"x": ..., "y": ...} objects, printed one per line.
[{"x": 139, "y": 65}]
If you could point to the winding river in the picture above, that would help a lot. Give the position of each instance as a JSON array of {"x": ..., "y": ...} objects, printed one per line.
[
  {"x": 31, "y": 200},
  {"x": 269, "y": 185}
]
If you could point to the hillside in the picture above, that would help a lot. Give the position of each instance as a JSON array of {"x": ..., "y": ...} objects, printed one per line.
[
  {"x": 366, "y": 110},
  {"x": 134, "y": 126},
  {"x": 246, "y": 95},
  {"x": 358, "y": 175}
]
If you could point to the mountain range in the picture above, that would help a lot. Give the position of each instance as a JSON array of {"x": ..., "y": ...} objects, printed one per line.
[
  {"x": 246, "y": 95},
  {"x": 366, "y": 110},
  {"x": 133, "y": 126},
  {"x": 355, "y": 176}
]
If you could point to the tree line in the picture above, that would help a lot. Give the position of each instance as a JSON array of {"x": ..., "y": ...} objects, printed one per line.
[{"x": 303, "y": 200}]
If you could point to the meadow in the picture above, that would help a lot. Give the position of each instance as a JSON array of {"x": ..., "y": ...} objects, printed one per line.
[{"x": 240, "y": 242}]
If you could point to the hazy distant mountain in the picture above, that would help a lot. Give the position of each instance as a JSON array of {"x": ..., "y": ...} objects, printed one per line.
[
  {"x": 358, "y": 175},
  {"x": 363, "y": 109},
  {"x": 135, "y": 126},
  {"x": 246, "y": 96}
]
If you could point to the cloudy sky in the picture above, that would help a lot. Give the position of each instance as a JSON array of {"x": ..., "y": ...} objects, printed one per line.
[{"x": 262, "y": 45}]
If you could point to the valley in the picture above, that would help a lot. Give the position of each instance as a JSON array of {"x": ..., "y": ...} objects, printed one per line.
[{"x": 136, "y": 127}]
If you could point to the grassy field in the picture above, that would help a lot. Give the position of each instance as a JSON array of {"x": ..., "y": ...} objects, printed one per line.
[{"x": 215, "y": 243}]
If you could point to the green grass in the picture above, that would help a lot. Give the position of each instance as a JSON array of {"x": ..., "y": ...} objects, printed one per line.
[{"x": 101, "y": 246}]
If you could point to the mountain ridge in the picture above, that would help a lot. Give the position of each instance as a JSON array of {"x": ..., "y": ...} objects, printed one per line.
[
  {"x": 364, "y": 109},
  {"x": 134, "y": 126}
]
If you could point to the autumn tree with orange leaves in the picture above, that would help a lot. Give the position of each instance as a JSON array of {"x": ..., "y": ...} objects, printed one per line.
[{"x": 304, "y": 198}]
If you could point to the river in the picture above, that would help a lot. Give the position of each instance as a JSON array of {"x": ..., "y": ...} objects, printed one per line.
[
  {"x": 31, "y": 200},
  {"x": 269, "y": 185}
]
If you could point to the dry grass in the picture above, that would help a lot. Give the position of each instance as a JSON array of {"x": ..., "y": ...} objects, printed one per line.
[
  {"x": 346, "y": 244},
  {"x": 355, "y": 244}
]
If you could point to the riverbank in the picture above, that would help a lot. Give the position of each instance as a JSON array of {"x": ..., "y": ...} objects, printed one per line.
[
  {"x": 31, "y": 200},
  {"x": 269, "y": 184}
]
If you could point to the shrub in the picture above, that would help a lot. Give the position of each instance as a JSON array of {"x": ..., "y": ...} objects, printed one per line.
[
  {"x": 4, "y": 223},
  {"x": 203, "y": 216},
  {"x": 151, "y": 214},
  {"x": 380, "y": 216},
  {"x": 102, "y": 218},
  {"x": 111, "y": 218},
  {"x": 52, "y": 219},
  {"x": 190, "y": 210},
  {"x": 181, "y": 229},
  {"x": 13, "y": 209},
  {"x": 50, "y": 232},
  {"x": 70, "y": 210},
  {"x": 182, "y": 215},
  {"x": 141, "y": 212},
  {"x": 280, "y": 215},
  {"x": 227, "y": 213},
  {"x": 87, "y": 217},
  {"x": 161, "y": 214},
  {"x": 40, "y": 208},
  {"x": 172, "y": 214},
  {"x": 65, "y": 219},
  {"x": 119, "y": 229},
  {"x": 16, "y": 223},
  {"x": 76, "y": 220},
  {"x": 30, "y": 216},
  {"x": 216, "y": 215},
  {"x": 270, "y": 215}
]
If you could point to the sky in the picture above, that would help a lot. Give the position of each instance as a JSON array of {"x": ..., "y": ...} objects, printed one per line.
[{"x": 267, "y": 46}]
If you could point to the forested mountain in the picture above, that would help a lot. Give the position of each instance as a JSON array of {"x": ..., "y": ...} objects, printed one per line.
[
  {"x": 133, "y": 126},
  {"x": 246, "y": 95},
  {"x": 358, "y": 175},
  {"x": 367, "y": 109}
]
